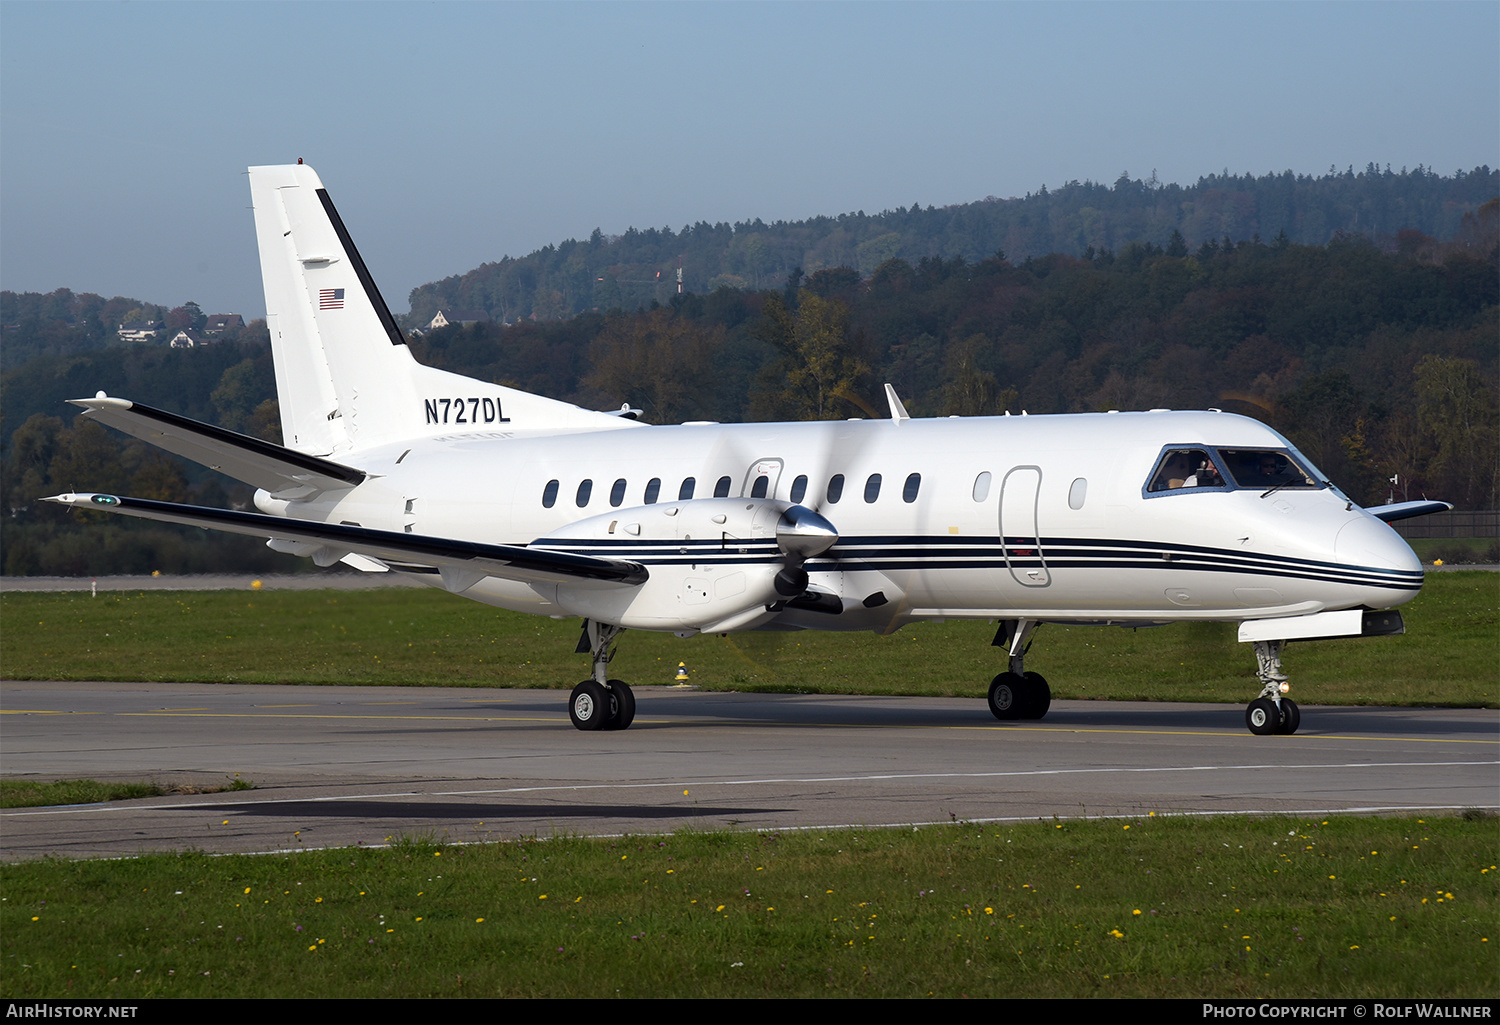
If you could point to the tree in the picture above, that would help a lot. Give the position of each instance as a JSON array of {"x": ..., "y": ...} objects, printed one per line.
[
  {"x": 88, "y": 458},
  {"x": 1405, "y": 455},
  {"x": 818, "y": 371},
  {"x": 265, "y": 422},
  {"x": 833, "y": 282},
  {"x": 33, "y": 446},
  {"x": 241, "y": 388},
  {"x": 157, "y": 475},
  {"x": 1457, "y": 411},
  {"x": 873, "y": 252},
  {"x": 661, "y": 362},
  {"x": 971, "y": 390},
  {"x": 1326, "y": 418}
]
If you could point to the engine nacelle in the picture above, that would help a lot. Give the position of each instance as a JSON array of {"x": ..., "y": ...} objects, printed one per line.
[{"x": 715, "y": 564}]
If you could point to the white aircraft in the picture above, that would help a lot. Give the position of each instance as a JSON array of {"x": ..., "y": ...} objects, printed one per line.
[{"x": 541, "y": 506}]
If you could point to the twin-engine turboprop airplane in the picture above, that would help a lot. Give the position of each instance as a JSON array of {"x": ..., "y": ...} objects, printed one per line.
[{"x": 540, "y": 506}]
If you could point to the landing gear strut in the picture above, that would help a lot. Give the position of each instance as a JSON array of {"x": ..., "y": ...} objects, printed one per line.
[
  {"x": 1017, "y": 694},
  {"x": 601, "y": 703},
  {"x": 1272, "y": 712}
]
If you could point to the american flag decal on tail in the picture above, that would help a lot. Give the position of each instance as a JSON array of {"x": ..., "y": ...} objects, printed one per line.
[{"x": 330, "y": 298}]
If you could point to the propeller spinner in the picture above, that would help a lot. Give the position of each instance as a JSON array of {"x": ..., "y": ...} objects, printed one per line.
[{"x": 801, "y": 534}]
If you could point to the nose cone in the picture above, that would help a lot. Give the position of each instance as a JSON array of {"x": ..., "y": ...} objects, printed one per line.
[
  {"x": 1381, "y": 558},
  {"x": 803, "y": 533}
]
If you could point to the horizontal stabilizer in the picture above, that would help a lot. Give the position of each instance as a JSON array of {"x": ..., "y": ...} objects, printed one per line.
[
  {"x": 509, "y": 562},
  {"x": 1406, "y": 510},
  {"x": 256, "y": 462}
]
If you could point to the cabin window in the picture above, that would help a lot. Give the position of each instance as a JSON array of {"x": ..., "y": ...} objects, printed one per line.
[
  {"x": 910, "y": 489},
  {"x": 617, "y": 493},
  {"x": 685, "y": 493},
  {"x": 758, "y": 489},
  {"x": 549, "y": 495},
  {"x": 1077, "y": 493},
  {"x": 799, "y": 487},
  {"x": 872, "y": 487},
  {"x": 835, "y": 488},
  {"x": 653, "y": 490},
  {"x": 721, "y": 489},
  {"x": 982, "y": 486},
  {"x": 585, "y": 489}
]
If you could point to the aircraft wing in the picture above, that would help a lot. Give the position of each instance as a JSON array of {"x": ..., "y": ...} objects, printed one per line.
[
  {"x": 1406, "y": 510},
  {"x": 468, "y": 560},
  {"x": 256, "y": 462}
]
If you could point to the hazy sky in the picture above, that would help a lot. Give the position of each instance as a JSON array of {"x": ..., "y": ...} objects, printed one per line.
[{"x": 450, "y": 134}]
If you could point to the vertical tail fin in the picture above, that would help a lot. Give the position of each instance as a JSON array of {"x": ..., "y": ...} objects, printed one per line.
[{"x": 345, "y": 378}]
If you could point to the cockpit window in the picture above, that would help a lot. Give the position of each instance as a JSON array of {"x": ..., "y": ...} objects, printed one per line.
[
  {"x": 1266, "y": 468},
  {"x": 1181, "y": 468},
  {"x": 1188, "y": 468}
]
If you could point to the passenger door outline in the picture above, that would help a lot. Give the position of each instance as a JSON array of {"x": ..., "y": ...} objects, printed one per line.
[{"x": 1020, "y": 536}]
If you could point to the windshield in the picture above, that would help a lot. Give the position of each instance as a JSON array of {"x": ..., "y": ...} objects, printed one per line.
[
  {"x": 1201, "y": 468},
  {"x": 1266, "y": 468}
]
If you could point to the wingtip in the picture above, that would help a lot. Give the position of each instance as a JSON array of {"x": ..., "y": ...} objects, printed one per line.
[
  {"x": 100, "y": 400},
  {"x": 84, "y": 498}
]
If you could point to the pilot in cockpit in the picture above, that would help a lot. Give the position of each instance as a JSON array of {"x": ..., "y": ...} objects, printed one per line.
[{"x": 1174, "y": 472}]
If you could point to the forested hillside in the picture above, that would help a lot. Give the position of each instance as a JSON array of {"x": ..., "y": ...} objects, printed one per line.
[
  {"x": 603, "y": 272},
  {"x": 1378, "y": 357}
]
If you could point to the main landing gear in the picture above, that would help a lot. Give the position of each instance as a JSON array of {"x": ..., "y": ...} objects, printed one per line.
[
  {"x": 1272, "y": 712},
  {"x": 1017, "y": 694},
  {"x": 601, "y": 703}
]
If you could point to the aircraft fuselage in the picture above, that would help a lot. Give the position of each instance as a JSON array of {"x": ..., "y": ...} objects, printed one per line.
[{"x": 1034, "y": 517}]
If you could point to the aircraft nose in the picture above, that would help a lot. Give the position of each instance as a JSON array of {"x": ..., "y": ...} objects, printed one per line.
[
  {"x": 1368, "y": 543},
  {"x": 1391, "y": 571}
]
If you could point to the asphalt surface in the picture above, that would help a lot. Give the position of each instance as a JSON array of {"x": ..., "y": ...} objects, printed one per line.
[{"x": 337, "y": 766}]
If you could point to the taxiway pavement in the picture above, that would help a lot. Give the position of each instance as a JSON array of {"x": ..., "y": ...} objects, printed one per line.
[{"x": 336, "y": 766}]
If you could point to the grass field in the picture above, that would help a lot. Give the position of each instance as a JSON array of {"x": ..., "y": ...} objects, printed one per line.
[
  {"x": 1449, "y": 655},
  {"x": 1456, "y": 550},
  {"x": 1241, "y": 908},
  {"x": 18, "y": 793}
]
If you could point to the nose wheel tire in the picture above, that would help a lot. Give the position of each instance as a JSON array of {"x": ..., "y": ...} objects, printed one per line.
[
  {"x": 1262, "y": 717},
  {"x": 1291, "y": 716}
]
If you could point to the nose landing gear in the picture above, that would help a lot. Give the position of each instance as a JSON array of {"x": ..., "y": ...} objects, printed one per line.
[{"x": 1272, "y": 712}]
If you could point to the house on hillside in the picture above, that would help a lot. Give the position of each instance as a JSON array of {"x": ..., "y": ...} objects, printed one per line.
[
  {"x": 449, "y": 316},
  {"x": 221, "y": 322},
  {"x": 184, "y": 340},
  {"x": 138, "y": 332}
]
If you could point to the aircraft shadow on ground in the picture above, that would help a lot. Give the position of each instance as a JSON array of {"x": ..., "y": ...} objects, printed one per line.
[
  {"x": 453, "y": 810},
  {"x": 867, "y": 712}
]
